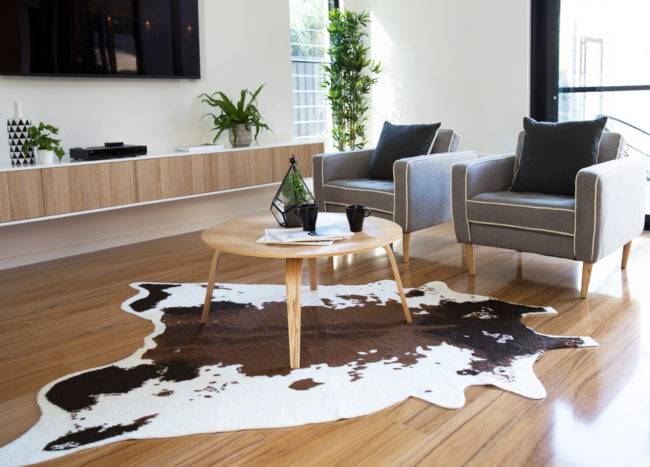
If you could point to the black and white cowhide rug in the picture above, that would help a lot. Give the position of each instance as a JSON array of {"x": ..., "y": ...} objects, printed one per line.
[{"x": 358, "y": 356}]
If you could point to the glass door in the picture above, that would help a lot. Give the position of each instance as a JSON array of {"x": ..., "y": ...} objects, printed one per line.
[{"x": 595, "y": 60}]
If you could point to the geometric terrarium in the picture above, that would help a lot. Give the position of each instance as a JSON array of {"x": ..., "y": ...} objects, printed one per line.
[{"x": 292, "y": 193}]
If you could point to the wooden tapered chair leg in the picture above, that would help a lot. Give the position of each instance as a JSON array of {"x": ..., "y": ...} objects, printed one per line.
[
  {"x": 586, "y": 277},
  {"x": 469, "y": 253},
  {"x": 406, "y": 247},
  {"x": 626, "y": 254}
]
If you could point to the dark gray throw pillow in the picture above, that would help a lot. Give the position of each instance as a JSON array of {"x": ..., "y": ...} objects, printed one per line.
[
  {"x": 553, "y": 153},
  {"x": 397, "y": 142}
]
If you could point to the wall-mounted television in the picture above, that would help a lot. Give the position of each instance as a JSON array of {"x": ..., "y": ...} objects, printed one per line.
[{"x": 105, "y": 38}]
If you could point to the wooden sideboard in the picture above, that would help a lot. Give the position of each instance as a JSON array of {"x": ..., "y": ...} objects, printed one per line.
[{"x": 75, "y": 187}]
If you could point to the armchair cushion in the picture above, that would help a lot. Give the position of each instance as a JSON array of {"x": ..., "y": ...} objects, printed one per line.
[
  {"x": 397, "y": 142},
  {"x": 553, "y": 153},
  {"x": 528, "y": 211},
  {"x": 374, "y": 194}
]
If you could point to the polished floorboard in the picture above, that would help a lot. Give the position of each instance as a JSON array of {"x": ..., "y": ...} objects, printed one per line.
[{"x": 64, "y": 316}]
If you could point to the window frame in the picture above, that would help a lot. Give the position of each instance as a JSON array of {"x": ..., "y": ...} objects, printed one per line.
[
  {"x": 545, "y": 64},
  {"x": 331, "y": 4}
]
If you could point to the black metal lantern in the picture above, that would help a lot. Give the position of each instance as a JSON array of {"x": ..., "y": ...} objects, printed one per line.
[{"x": 292, "y": 193}]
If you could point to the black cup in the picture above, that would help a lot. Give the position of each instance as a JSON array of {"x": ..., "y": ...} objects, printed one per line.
[
  {"x": 356, "y": 213},
  {"x": 309, "y": 215}
]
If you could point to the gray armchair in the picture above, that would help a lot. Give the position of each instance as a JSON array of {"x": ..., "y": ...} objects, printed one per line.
[
  {"x": 606, "y": 213},
  {"x": 419, "y": 197}
]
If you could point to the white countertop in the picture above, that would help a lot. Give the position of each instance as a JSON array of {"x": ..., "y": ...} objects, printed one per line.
[{"x": 7, "y": 167}]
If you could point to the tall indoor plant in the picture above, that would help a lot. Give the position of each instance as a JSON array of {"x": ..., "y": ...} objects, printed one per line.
[
  {"x": 237, "y": 118},
  {"x": 349, "y": 77}
]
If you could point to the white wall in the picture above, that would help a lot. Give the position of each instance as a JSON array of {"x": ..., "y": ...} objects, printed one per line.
[
  {"x": 462, "y": 62},
  {"x": 243, "y": 43}
]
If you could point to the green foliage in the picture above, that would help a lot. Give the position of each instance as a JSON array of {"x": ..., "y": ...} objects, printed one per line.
[
  {"x": 293, "y": 188},
  {"x": 42, "y": 137},
  {"x": 232, "y": 114},
  {"x": 349, "y": 77}
]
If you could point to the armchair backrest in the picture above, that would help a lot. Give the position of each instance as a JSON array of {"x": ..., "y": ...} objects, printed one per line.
[
  {"x": 610, "y": 148},
  {"x": 446, "y": 141}
]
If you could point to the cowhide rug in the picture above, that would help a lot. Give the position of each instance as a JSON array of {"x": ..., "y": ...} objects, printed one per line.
[{"x": 358, "y": 356}]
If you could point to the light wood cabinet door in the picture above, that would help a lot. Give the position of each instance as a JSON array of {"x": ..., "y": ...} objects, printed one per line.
[
  {"x": 88, "y": 187},
  {"x": 303, "y": 154},
  {"x": 21, "y": 195},
  {"x": 202, "y": 180},
  {"x": 230, "y": 170},
  {"x": 280, "y": 157},
  {"x": 5, "y": 204},
  {"x": 173, "y": 177},
  {"x": 168, "y": 177},
  {"x": 261, "y": 165}
]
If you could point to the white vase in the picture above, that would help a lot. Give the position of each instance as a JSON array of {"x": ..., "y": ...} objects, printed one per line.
[{"x": 45, "y": 157}]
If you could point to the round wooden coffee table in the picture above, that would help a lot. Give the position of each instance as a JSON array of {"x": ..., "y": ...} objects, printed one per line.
[{"x": 239, "y": 237}]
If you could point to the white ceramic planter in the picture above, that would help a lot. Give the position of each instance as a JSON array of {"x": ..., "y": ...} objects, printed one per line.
[{"x": 45, "y": 157}]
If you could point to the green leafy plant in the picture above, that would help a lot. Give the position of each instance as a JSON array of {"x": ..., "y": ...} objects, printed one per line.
[
  {"x": 294, "y": 190},
  {"x": 349, "y": 77},
  {"x": 231, "y": 114},
  {"x": 43, "y": 137}
]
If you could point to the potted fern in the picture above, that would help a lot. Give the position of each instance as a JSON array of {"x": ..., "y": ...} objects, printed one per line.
[
  {"x": 42, "y": 139},
  {"x": 238, "y": 119}
]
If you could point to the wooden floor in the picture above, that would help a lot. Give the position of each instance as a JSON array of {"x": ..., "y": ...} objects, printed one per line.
[{"x": 64, "y": 316}]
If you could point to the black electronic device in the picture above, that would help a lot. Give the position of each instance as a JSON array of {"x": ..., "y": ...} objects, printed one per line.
[
  {"x": 107, "y": 151},
  {"x": 125, "y": 38}
]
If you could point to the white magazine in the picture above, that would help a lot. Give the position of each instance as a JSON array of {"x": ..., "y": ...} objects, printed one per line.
[{"x": 324, "y": 235}]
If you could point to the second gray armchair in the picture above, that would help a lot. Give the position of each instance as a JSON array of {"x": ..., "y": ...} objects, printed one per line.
[
  {"x": 419, "y": 196},
  {"x": 606, "y": 213}
]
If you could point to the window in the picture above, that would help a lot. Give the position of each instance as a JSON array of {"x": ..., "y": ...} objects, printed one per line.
[
  {"x": 604, "y": 61},
  {"x": 591, "y": 58},
  {"x": 309, "y": 43}
]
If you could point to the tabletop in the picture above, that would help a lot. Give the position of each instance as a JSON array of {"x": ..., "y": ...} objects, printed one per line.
[{"x": 239, "y": 236}]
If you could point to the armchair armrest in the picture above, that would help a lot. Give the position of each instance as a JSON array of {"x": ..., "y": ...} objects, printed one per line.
[
  {"x": 482, "y": 175},
  {"x": 610, "y": 207},
  {"x": 423, "y": 189},
  {"x": 338, "y": 166}
]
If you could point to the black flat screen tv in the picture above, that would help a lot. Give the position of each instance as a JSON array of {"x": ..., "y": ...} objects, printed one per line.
[{"x": 104, "y": 38}]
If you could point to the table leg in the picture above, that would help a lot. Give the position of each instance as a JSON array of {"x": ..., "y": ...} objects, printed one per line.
[
  {"x": 293, "y": 274},
  {"x": 398, "y": 280},
  {"x": 313, "y": 274},
  {"x": 210, "y": 287}
]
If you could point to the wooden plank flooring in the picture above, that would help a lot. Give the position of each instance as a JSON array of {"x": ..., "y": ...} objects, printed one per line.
[{"x": 64, "y": 316}]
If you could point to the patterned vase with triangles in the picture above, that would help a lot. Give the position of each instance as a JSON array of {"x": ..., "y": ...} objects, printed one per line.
[{"x": 17, "y": 129}]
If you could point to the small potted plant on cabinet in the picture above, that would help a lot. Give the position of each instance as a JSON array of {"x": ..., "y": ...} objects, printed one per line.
[
  {"x": 238, "y": 119},
  {"x": 42, "y": 139}
]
